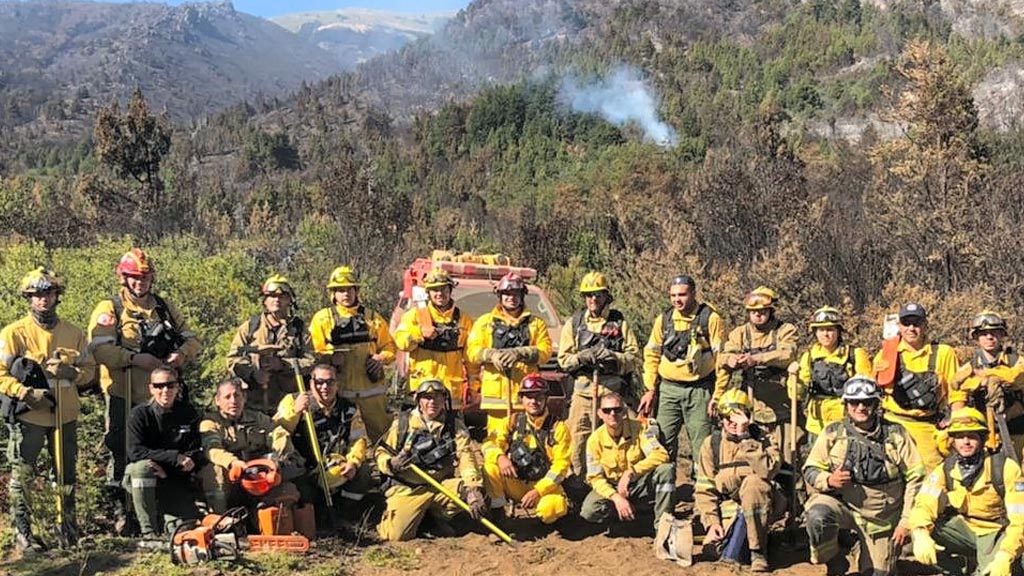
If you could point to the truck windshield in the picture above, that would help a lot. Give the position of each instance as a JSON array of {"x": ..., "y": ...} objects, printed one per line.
[{"x": 477, "y": 304}]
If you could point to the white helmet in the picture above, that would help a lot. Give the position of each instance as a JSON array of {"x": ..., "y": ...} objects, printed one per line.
[{"x": 861, "y": 388}]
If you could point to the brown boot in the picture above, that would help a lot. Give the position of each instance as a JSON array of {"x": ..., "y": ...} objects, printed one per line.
[{"x": 758, "y": 562}]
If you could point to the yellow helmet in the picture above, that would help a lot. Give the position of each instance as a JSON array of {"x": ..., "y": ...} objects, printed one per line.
[
  {"x": 966, "y": 420},
  {"x": 735, "y": 400},
  {"x": 276, "y": 285},
  {"x": 594, "y": 282},
  {"x": 343, "y": 277},
  {"x": 824, "y": 317},
  {"x": 40, "y": 281},
  {"x": 987, "y": 320},
  {"x": 760, "y": 298},
  {"x": 438, "y": 278}
]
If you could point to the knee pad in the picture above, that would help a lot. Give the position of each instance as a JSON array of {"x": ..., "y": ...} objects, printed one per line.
[
  {"x": 819, "y": 520},
  {"x": 552, "y": 507}
]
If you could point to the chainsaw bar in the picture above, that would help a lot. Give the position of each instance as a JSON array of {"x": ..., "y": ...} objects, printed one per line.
[{"x": 281, "y": 543}]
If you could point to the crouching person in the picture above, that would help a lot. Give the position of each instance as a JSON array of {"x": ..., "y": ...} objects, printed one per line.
[
  {"x": 863, "y": 473},
  {"x": 626, "y": 466},
  {"x": 972, "y": 504},
  {"x": 434, "y": 438},
  {"x": 734, "y": 483},
  {"x": 164, "y": 453},
  {"x": 527, "y": 462}
]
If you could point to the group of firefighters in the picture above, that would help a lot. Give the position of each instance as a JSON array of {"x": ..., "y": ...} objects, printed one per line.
[{"x": 910, "y": 449}]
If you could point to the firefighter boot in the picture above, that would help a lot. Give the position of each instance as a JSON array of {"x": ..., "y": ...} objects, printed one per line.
[
  {"x": 124, "y": 521},
  {"x": 67, "y": 531},
  {"x": 24, "y": 540}
]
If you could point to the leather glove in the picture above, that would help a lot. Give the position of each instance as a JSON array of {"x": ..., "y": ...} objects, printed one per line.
[
  {"x": 399, "y": 462},
  {"x": 502, "y": 359},
  {"x": 994, "y": 397},
  {"x": 475, "y": 499},
  {"x": 1000, "y": 566},
  {"x": 235, "y": 471},
  {"x": 60, "y": 370},
  {"x": 527, "y": 354},
  {"x": 925, "y": 549},
  {"x": 587, "y": 356},
  {"x": 607, "y": 358},
  {"x": 374, "y": 369},
  {"x": 36, "y": 398}
]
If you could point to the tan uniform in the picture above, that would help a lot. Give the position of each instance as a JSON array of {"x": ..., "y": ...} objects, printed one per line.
[
  {"x": 443, "y": 357},
  {"x": 976, "y": 377},
  {"x": 823, "y": 408},
  {"x": 269, "y": 349}
]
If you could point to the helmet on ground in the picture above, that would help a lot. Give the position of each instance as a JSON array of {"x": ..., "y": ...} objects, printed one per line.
[
  {"x": 134, "y": 263},
  {"x": 430, "y": 386},
  {"x": 861, "y": 388},
  {"x": 334, "y": 467},
  {"x": 511, "y": 282},
  {"x": 343, "y": 277},
  {"x": 966, "y": 420},
  {"x": 40, "y": 281},
  {"x": 276, "y": 285},
  {"x": 760, "y": 298},
  {"x": 594, "y": 282},
  {"x": 260, "y": 476},
  {"x": 825, "y": 317},
  {"x": 438, "y": 278},
  {"x": 987, "y": 320},
  {"x": 733, "y": 401},
  {"x": 533, "y": 384}
]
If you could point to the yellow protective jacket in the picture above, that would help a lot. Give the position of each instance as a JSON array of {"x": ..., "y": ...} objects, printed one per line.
[
  {"x": 823, "y": 410},
  {"x": 494, "y": 386},
  {"x": 451, "y": 367},
  {"x": 627, "y": 361},
  {"x": 878, "y": 508},
  {"x": 352, "y": 376},
  {"x": 701, "y": 360},
  {"x": 981, "y": 507},
  {"x": 558, "y": 448},
  {"x": 1007, "y": 369},
  {"x": 27, "y": 338},
  {"x": 114, "y": 353},
  {"x": 608, "y": 458},
  {"x": 252, "y": 435},
  {"x": 287, "y": 340},
  {"x": 467, "y": 467},
  {"x": 716, "y": 491},
  {"x": 918, "y": 361},
  {"x": 354, "y": 446}
]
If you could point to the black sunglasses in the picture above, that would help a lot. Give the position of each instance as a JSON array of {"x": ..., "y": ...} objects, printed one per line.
[
  {"x": 613, "y": 410},
  {"x": 323, "y": 380},
  {"x": 868, "y": 403},
  {"x": 912, "y": 321},
  {"x": 162, "y": 385}
]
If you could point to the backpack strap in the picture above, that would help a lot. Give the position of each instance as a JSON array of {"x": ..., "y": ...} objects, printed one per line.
[
  {"x": 254, "y": 325},
  {"x": 403, "y": 430},
  {"x": 667, "y": 326},
  {"x": 947, "y": 469},
  {"x": 575, "y": 321},
  {"x": 998, "y": 482},
  {"x": 118, "y": 311},
  {"x": 704, "y": 320},
  {"x": 716, "y": 447},
  {"x": 933, "y": 353}
]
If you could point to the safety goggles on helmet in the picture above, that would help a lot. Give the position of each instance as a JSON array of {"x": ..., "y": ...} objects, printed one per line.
[
  {"x": 343, "y": 277},
  {"x": 40, "y": 281},
  {"x": 438, "y": 278},
  {"x": 825, "y": 317},
  {"x": 967, "y": 420},
  {"x": 430, "y": 387},
  {"x": 134, "y": 263},
  {"x": 759, "y": 299},
  {"x": 729, "y": 409},
  {"x": 861, "y": 388},
  {"x": 511, "y": 283},
  {"x": 276, "y": 285},
  {"x": 987, "y": 321},
  {"x": 735, "y": 401},
  {"x": 533, "y": 384}
]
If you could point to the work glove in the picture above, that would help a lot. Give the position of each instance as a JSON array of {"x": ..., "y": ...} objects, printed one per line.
[
  {"x": 994, "y": 395},
  {"x": 607, "y": 358},
  {"x": 925, "y": 549},
  {"x": 36, "y": 399},
  {"x": 475, "y": 499},
  {"x": 527, "y": 354},
  {"x": 374, "y": 369},
  {"x": 399, "y": 462},
  {"x": 587, "y": 357},
  {"x": 501, "y": 359},
  {"x": 235, "y": 470},
  {"x": 60, "y": 370},
  {"x": 1000, "y": 565}
]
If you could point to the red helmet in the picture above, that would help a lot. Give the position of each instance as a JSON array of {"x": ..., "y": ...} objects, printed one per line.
[
  {"x": 260, "y": 476},
  {"x": 134, "y": 263},
  {"x": 511, "y": 282},
  {"x": 533, "y": 384}
]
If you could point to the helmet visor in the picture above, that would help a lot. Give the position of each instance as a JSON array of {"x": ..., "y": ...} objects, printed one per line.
[
  {"x": 757, "y": 300},
  {"x": 825, "y": 317},
  {"x": 860, "y": 390},
  {"x": 987, "y": 322}
]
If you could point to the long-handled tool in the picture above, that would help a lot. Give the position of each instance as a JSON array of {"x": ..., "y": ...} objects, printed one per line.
[
  {"x": 307, "y": 416},
  {"x": 58, "y": 461},
  {"x": 595, "y": 394}
]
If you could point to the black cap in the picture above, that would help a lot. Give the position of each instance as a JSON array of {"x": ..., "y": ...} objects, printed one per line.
[{"x": 912, "y": 309}]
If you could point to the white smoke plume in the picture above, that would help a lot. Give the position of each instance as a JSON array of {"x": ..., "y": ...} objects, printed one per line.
[{"x": 620, "y": 98}]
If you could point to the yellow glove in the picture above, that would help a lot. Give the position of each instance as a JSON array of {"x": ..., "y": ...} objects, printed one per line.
[
  {"x": 1000, "y": 565},
  {"x": 925, "y": 548}
]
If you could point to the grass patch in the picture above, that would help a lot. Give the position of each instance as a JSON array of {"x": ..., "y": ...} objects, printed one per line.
[{"x": 389, "y": 557}]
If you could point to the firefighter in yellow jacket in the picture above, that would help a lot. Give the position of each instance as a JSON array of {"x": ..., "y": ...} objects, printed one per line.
[
  {"x": 130, "y": 334},
  {"x": 265, "y": 345},
  {"x": 918, "y": 395},
  {"x": 993, "y": 377},
  {"x": 38, "y": 354},
  {"x": 862, "y": 475},
  {"x": 434, "y": 438},
  {"x": 825, "y": 368},
  {"x": 526, "y": 463},
  {"x": 735, "y": 469},
  {"x": 357, "y": 342},
  {"x": 509, "y": 342},
  {"x": 972, "y": 504},
  {"x": 437, "y": 349},
  {"x": 597, "y": 338}
]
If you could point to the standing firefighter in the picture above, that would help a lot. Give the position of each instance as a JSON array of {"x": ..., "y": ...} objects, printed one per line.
[
  {"x": 862, "y": 473},
  {"x": 600, "y": 343},
  {"x": 680, "y": 368},
  {"x": 437, "y": 346},
  {"x": 357, "y": 342},
  {"x": 131, "y": 334},
  {"x": 43, "y": 361},
  {"x": 434, "y": 439},
  {"x": 527, "y": 462},
  {"x": 824, "y": 369},
  {"x": 922, "y": 373},
  {"x": 264, "y": 346},
  {"x": 509, "y": 342},
  {"x": 972, "y": 504},
  {"x": 734, "y": 483}
]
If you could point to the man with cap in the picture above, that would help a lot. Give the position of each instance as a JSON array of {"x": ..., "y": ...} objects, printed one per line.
[
  {"x": 599, "y": 340},
  {"x": 526, "y": 463},
  {"x": 862, "y": 475},
  {"x": 434, "y": 334},
  {"x": 971, "y": 505},
  {"x": 265, "y": 346},
  {"x": 735, "y": 469},
  {"x": 916, "y": 396},
  {"x": 357, "y": 342}
]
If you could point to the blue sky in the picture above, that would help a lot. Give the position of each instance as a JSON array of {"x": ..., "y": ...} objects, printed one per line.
[{"x": 272, "y": 8}]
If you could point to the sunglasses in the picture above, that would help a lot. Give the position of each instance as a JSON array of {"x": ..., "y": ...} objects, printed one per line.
[
  {"x": 162, "y": 385},
  {"x": 912, "y": 321},
  {"x": 323, "y": 381},
  {"x": 868, "y": 403},
  {"x": 613, "y": 410}
]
